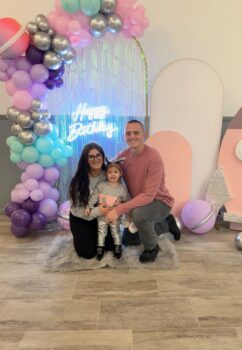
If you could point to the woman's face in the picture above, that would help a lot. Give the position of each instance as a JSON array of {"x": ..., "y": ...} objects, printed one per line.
[{"x": 95, "y": 159}]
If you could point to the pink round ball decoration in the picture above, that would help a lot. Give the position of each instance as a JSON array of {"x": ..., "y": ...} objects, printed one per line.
[
  {"x": 22, "y": 100},
  {"x": 198, "y": 216},
  {"x": 63, "y": 215}
]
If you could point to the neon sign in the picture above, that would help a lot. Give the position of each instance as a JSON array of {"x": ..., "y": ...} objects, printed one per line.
[{"x": 88, "y": 121}]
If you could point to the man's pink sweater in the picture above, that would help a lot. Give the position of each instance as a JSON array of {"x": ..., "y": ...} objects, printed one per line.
[{"x": 144, "y": 176}]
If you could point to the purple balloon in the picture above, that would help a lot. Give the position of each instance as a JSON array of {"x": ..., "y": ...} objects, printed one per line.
[
  {"x": 37, "y": 222},
  {"x": 22, "y": 63},
  {"x": 59, "y": 82},
  {"x": 20, "y": 217},
  {"x": 50, "y": 84},
  {"x": 34, "y": 55},
  {"x": 30, "y": 205},
  {"x": 20, "y": 231},
  {"x": 39, "y": 73},
  {"x": 56, "y": 74},
  {"x": 11, "y": 207}
]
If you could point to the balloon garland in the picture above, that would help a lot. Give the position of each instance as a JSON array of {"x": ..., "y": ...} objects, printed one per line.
[{"x": 32, "y": 62}]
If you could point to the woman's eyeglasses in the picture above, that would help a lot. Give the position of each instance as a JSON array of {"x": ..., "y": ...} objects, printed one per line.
[{"x": 93, "y": 157}]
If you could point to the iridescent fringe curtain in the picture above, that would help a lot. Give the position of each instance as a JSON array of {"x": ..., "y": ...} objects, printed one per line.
[{"x": 103, "y": 89}]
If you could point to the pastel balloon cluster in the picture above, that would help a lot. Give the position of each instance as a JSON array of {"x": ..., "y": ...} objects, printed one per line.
[
  {"x": 47, "y": 150},
  {"x": 48, "y": 52},
  {"x": 81, "y": 20},
  {"x": 33, "y": 201}
]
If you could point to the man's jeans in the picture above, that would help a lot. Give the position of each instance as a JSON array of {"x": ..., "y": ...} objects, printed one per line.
[{"x": 150, "y": 222}]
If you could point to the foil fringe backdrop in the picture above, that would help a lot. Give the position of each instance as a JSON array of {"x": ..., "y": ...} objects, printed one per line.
[{"x": 112, "y": 73}]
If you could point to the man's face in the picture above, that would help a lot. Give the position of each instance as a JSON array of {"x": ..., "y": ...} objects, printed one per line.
[{"x": 135, "y": 136}]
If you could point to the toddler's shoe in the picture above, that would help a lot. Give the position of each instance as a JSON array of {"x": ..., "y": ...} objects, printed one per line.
[{"x": 117, "y": 251}]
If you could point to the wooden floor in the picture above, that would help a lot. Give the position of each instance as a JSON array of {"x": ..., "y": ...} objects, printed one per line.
[{"x": 195, "y": 307}]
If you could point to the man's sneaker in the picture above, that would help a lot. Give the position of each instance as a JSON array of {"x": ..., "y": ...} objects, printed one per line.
[
  {"x": 117, "y": 251},
  {"x": 130, "y": 239},
  {"x": 173, "y": 228},
  {"x": 149, "y": 255},
  {"x": 100, "y": 253}
]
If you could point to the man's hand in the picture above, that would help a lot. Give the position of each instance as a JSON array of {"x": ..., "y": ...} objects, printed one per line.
[{"x": 112, "y": 216}]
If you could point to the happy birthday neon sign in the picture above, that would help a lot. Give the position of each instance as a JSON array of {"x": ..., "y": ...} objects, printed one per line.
[{"x": 88, "y": 121}]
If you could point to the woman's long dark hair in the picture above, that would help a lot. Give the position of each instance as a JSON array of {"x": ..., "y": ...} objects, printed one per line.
[{"x": 79, "y": 188}]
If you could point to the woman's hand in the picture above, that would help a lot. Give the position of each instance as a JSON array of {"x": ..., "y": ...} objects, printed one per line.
[
  {"x": 87, "y": 211},
  {"x": 104, "y": 210}
]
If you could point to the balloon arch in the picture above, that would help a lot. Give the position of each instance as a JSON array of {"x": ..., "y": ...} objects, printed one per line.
[{"x": 33, "y": 62}]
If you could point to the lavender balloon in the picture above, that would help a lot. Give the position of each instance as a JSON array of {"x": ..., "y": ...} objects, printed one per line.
[
  {"x": 37, "y": 222},
  {"x": 11, "y": 207},
  {"x": 20, "y": 217}
]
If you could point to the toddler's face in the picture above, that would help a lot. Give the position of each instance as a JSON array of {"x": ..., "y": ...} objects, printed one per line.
[{"x": 113, "y": 174}]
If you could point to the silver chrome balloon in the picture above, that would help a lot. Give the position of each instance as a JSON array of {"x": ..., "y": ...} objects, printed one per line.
[
  {"x": 32, "y": 27},
  {"x": 98, "y": 25},
  {"x": 12, "y": 114},
  {"x": 24, "y": 120},
  {"x": 69, "y": 56},
  {"x": 108, "y": 6},
  {"x": 42, "y": 127},
  {"x": 44, "y": 26},
  {"x": 115, "y": 23},
  {"x": 52, "y": 60},
  {"x": 36, "y": 104},
  {"x": 36, "y": 116},
  {"x": 51, "y": 32},
  {"x": 41, "y": 18},
  {"x": 42, "y": 41},
  {"x": 16, "y": 129},
  {"x": 46, "y": 114},
  {"x": 238, "y": 241},
  {"x": 27, "y": 137},
  {"x": 60, "y": 43}
]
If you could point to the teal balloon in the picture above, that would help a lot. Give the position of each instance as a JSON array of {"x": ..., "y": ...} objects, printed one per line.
[
  {"x": 61, "y": 162},
  {"x": 56, "y": 153},
  {"x": 10, "y": 140},
  {"x": 46, "y": 160},
  {"x": 16, "y": 147},
  {"x": 71, "y": 5},
  {"x": 45, "y": 144},
  {"x": 90, "y": 7},
  {"x": 30, "y": 154},
  {"x": 67, "y": 151},
  {"x": 15, "y": 157}
]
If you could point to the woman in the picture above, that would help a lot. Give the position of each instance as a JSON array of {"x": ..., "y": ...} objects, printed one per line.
[{"x": 90, "y": 171}]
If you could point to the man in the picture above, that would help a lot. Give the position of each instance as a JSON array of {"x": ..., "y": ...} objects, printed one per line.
[{"x": 151, "y": 203}]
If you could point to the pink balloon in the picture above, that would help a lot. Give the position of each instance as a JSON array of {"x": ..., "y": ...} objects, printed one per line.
[
  {"x": 22, "y": 100},
  {"x": 62, "y": 23},
  {"x": 19, "y": 187},
  {"x": 22, "y": 63},
  {"x": 24, "y": 177},
  {"x": 4, "y": 64},
  {"x": 14, "y": 196},
  {"x": 38, "y": 90},
  {"x": 85, "y": 38},
  {"x": 75, "y": 40},
  {"x": 11, "y": 70},
  {"x": 74, "y": 27},
  {"x": 45, "y": 188},
  {"x": 65, "y": 224},
  {"x": 145, "y": 23},
  {"x": 36, "y": 195},
  {"x": 51, "y": 174},
  {"x": 23, "y": 195},
  {"x": 10, "y": 87},
  {"x": 39, "y": 73},
  {"x": 22, "y": 80},
  {"x": 137, "y": 31},
  {"x": 54, "y": 194},
  {"x": 52, "y": 16},
  {"x": 35, "y": 171},
  {"x": 4, "y": 76},
  {"x": 48, "y": 207},
  {"x": 82, "y": 19},
  {"x": 31, "y": 184}
]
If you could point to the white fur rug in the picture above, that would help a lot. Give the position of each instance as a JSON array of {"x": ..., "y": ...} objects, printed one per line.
[{"x": 62, "y": 257}]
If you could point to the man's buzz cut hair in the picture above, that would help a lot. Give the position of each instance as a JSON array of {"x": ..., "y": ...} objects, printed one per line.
[{"x": 134, "y": 121}]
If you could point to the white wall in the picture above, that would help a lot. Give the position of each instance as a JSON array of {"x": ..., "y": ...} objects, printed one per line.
[{"x": 210, "y": 30}]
